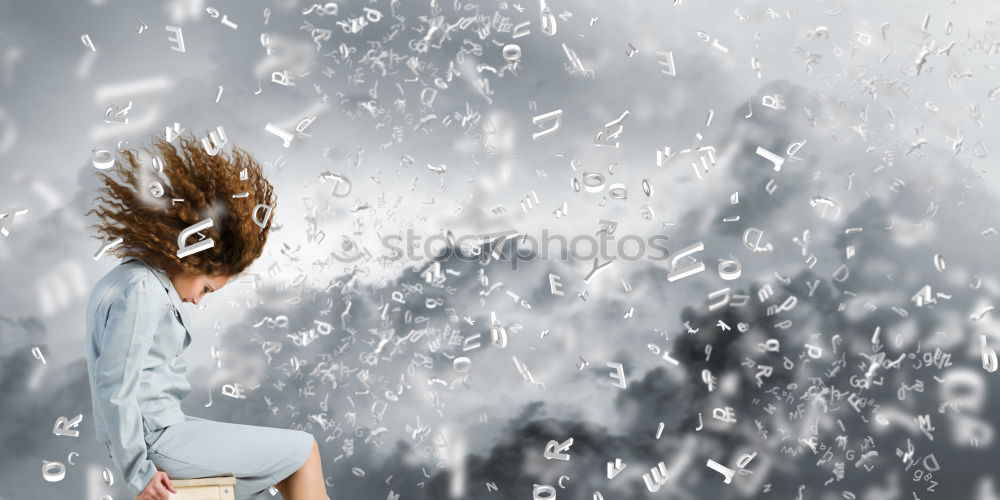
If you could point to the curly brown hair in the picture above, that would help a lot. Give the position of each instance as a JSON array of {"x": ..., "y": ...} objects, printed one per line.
[{"x": 149, "y": 216}]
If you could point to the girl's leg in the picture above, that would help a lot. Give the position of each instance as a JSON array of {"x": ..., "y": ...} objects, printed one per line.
[{"x": 306, "y": 483}]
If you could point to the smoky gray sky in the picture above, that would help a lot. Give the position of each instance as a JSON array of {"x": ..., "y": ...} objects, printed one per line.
[{"x": 878, "y": 238}]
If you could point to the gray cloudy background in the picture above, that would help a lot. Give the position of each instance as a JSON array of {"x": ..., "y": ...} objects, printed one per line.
[{"x": 894, "y": 166}]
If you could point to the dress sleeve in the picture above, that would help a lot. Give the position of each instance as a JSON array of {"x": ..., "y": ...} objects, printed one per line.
[{"x": 123, "y": 345}]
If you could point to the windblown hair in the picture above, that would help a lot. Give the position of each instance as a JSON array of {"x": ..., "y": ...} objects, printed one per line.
[{"x": 197, "y": 186}]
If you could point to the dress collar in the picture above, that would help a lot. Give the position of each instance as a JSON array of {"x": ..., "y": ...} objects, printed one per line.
[{"x": 175, "y": 299}]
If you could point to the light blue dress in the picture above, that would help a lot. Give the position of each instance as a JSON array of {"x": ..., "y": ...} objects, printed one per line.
[{"x": 137, "y": 332}]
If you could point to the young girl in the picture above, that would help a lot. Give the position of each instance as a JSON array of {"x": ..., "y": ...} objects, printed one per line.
[{"x": 188, "y": 224}]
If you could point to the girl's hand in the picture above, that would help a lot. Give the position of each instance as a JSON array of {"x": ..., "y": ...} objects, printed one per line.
[{"x": 158, "y": 488}]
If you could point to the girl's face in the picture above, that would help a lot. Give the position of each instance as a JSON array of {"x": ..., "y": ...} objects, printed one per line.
[{"x": 192, "y": 287}]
